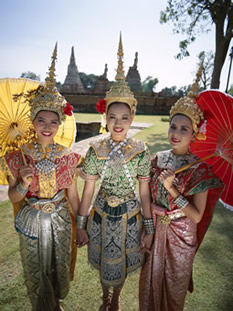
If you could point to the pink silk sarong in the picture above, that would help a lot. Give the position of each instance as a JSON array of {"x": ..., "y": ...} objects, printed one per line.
[{"x": 165, "y": 277}]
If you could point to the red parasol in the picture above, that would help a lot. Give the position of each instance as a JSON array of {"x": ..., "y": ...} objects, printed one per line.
[{"x": 218, "y": 110}]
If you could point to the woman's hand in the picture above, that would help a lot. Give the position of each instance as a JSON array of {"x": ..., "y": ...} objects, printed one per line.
[
  {"x": 82, "y": 237},
  {"x": 167, "y": 177},
  {"x": 26, "y": 173},
  {"x": 146, "y": 243}
]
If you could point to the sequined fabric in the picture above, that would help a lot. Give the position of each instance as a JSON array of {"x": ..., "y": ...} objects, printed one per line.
[
  {"x": 114, "y": 232},
  {"x": 47, "y": 251},
  {"x": 115, "y": 181},
  {"x": 65, "y": 160},
  {"x": 46, "y": 258}
]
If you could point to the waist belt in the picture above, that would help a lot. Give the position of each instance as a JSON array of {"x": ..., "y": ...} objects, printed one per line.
[
  {"x": 166, "y": 219},
  {"x": 114, "y": 201},
  {"x": 47, "y": 206}
]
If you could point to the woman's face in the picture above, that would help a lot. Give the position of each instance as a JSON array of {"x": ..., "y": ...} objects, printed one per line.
[
  {"x": 119, "y": 120},
  {"x": 46, "y": 125},
  {"x": 180, "y": 134}
]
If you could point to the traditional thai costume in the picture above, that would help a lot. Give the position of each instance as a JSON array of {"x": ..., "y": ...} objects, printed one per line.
[
  {"x": 115, "y": 222},
  {"x": 44, "y": 217},
  {"x": 167, "y": 274},
  {"x": 44, "y": 222}
]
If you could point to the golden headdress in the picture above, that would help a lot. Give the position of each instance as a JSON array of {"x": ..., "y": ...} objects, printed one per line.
[
  {"x": 120, "y": 91},
  {"x": 46, "y": 97},
  {"x": 187, "y": 105}
]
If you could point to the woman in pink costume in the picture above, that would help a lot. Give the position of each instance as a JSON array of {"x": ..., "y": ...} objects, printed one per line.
[{"x": 182, "y": 207}]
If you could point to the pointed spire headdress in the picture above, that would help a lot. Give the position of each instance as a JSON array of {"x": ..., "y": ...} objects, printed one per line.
[
  {"x": 188, "y": 106},
  {"x": 120, "y": 91},
  {"x": 46, "y": 97}
]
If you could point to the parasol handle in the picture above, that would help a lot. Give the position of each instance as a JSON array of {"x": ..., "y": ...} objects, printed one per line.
[
  {"x": 195, "y": 162},
  {"x": 25, "y": 163},
  {"x": 24, "y": 160}
]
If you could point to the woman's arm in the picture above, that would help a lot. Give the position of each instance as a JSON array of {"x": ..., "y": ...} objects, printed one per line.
[
  {"x": 17, "y": 189},
  {"x": 146, "y": 239},
  {"x": 87, "y": 195},
  {"x": 73, "y": 197},
  {"x": 196, "y": 207},
  {"x": 145, "y": 197}
]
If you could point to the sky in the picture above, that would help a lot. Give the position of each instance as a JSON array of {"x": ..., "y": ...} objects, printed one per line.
[{"x": 30, "y": 29}]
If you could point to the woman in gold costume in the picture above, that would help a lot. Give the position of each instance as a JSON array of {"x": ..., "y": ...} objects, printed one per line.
[
  {"x": 44, "y": 194},
  {"x": 113, "y": 230},
  {"x": 182, "y": 207}
]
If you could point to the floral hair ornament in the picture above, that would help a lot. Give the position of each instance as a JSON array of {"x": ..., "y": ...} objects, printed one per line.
[
  {"x": 68, "y": 109},
  {"x": 101, "y": 108},
  {"x": 188, "y": 106},
  {"x": 46, "y": 97}
]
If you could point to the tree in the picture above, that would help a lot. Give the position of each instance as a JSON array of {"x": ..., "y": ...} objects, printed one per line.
[
  {"x": 88, "y": 81},
  {"x": 148, "y": 85},
  {"x": 173, "y": 91},
  {"x": 207, "y": 59},
  {"x": 30, "y": 75},
  {"x": 193, "y": 17},
  {"x": 230, "y": 91}
]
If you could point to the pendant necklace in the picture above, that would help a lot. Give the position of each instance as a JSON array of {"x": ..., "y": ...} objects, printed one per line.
[{"x": 45, "y": 166}]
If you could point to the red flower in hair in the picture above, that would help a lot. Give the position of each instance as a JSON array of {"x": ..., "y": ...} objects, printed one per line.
[
  {"x": 101, "y": 106},
  {"x": 68, "y": 109}
]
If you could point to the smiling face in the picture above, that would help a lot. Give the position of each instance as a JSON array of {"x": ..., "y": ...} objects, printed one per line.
[
  {"x": 46, "y": 125},
  {"x": 119, "y": 119},
  {"x": 180, "y": 134}
]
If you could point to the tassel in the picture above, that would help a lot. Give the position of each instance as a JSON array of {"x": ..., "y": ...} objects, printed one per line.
[{"x": 201, "y": 135}]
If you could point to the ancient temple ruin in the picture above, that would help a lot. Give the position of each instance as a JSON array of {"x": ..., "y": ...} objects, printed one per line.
[
  {"x": 73, "y": 83},
  {"x": 102, "y": 83},
  {"x": 133, "y": 77}
]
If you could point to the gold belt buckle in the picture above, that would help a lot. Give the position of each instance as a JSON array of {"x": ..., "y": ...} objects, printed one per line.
[
  {"x": 165, "y": 220},
  {"x": 113, "y": 201},
  {"x": 48, "y": 208}
]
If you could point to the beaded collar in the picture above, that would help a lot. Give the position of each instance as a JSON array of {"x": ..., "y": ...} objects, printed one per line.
[
  {"x": 169, "y": 159},
  {"x": 116, "y": 148},
  {"x": 46, "y": 165}
]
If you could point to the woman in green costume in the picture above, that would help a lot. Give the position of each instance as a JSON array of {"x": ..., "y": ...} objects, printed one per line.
[{"x": 113, "y": 230}]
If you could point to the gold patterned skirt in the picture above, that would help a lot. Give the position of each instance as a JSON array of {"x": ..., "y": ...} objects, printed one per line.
[
  {"x": 114, "y": 238},
  {"x": 45, "y": 248}
]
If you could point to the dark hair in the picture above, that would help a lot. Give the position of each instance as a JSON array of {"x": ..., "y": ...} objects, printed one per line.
[{"x": 114, "y": 103}]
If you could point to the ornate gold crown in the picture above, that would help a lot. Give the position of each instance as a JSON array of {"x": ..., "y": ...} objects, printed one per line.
[
  {"x": 120, "y": 91},
  {"x": 46, "y": 97},
  {"x": 187, "y": 105}
]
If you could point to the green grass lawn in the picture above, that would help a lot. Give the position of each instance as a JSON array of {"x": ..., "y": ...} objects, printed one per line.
[{"x": 213, "y": 266}]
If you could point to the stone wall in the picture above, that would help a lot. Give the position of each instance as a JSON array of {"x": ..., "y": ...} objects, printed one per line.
[
  {"x": 153, "y": 104},
  {"x": 86, "y": 129}
]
